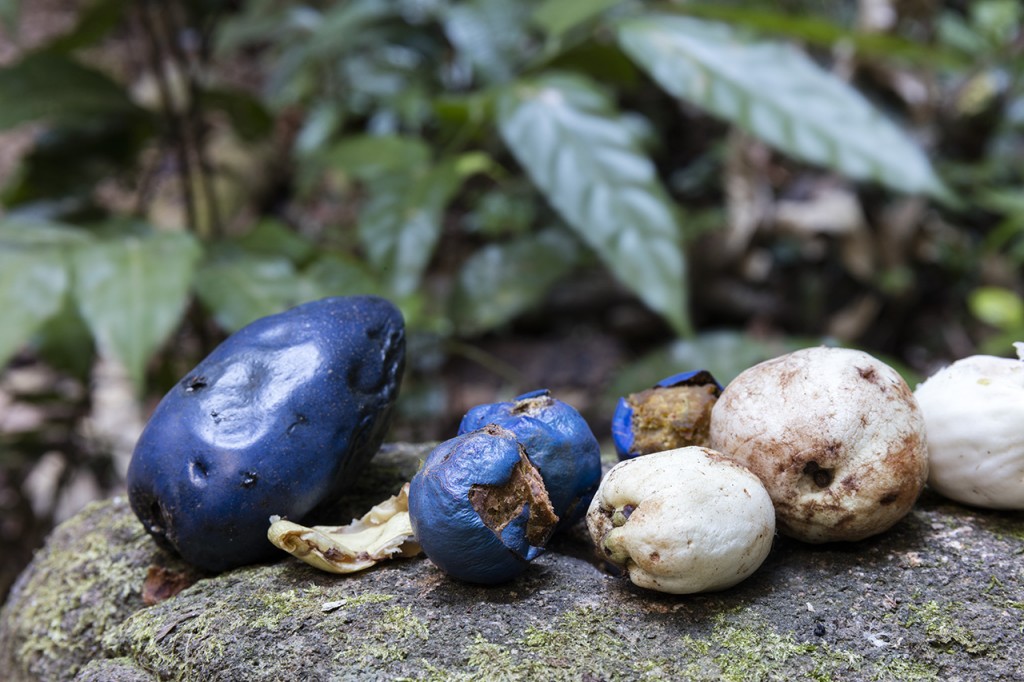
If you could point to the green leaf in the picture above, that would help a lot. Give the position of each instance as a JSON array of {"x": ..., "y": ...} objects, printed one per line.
[
  {"x": 238, "y": 287},
  {"x": 65, "y": 341},
  {"x": 344, "y": 26},
  {"x": 337, "y": 275},
  {"x": 132, "y": 290},
  {"x": 489, "y": 36},
  {"x": 557, "y": 17},
  {"x": 373, "y": 157},
  {"x": 94, "y": 22},
  {"x": 10, "y": 11},
  {"x": 33, "y": 233},
  {"x": 46, "y": 86},
  {"x": 273, "y": 238},
  {"x": 776, "y": 93},
  {"x": 401, "y": 223},
  {"x": 813, "y": 30},
  {"x": 997, "y": 306},
  {"x": 501, "y": 281},
  {"x": 33, "y": 281},
  {"x": 591, "y": 168},
  {"x": 322, "y": 121},
  {"x": 723, "y": 353}
]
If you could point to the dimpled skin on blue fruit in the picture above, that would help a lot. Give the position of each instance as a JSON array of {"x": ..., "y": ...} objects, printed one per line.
[
  {"x": 559, "y": 443},
  {"x": 278, "y": 419},
  {"x": 478, "y": 507}
]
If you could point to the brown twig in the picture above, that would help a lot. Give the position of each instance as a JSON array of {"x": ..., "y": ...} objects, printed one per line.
[{"x": 175, "y": 126}]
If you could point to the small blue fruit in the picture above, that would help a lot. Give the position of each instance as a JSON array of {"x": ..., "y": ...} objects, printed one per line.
[
  {"x": 675, "y": 413},
  {"x": 559, "y": 443},
  {"x": 276, "y": 420},
  {"x": 479, "y": 508}
]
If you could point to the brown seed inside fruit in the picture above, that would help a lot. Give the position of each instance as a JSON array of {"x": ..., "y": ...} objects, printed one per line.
[
  {"x": 669, "y": 418},
  {"x": 499, "y": 505}
]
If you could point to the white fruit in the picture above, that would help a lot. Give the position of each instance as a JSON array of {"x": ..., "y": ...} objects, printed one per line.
[
  {"x": 974, "y": 411},
  {"x": 682, "y": 521}
]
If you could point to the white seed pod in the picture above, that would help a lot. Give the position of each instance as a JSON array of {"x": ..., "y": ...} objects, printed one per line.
[
  {"x": 834, "y": 434},
  {"x": 682, "y": 521},
  {"x": 974, "y": 412}
]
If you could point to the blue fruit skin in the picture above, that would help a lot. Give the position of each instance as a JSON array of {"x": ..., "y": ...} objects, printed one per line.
[
  {"x": 448, "y": 528},
  {"x": 557, "y": 440},
  {"x": 622, "y": 420},
  {"x": 276, "y": 420}
]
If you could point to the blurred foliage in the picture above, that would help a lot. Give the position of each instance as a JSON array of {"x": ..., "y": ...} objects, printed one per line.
[{"x": 466, "y": 157}]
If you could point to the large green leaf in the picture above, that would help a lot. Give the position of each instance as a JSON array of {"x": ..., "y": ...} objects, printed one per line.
[
  {"x": 33, "y": 281},
  {"x": 53, "y": 87},
  {"x": 590, "y": 166},
  {"x": 132, "y": 290},
  {"x": 400, "y": 225},
  {"x": 240, "y": 287},
  {"x": 776, "y": 93},
  {"x": 816, "y": 30},
  {"x": 502, "y": 280}
]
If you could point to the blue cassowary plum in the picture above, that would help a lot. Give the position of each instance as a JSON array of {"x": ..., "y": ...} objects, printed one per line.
[
  {"x": 276, "y": 420},
  {"x": 674, "y": 413},
  {"x": 559, "y": 443},
  {"x": 479, "y": 508}
]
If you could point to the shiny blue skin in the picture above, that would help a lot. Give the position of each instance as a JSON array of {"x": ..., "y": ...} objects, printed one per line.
[
  {"x": 449, "y": 529},
  {"x": 622, "y": 420},
  {"x": 557, "y": 440},
  {"x": 278, "y": 419}
]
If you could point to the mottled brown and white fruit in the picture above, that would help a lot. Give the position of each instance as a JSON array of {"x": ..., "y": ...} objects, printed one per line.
[
  {"x": 682, "y": 521},
  {"x": 834, "y": 434}
]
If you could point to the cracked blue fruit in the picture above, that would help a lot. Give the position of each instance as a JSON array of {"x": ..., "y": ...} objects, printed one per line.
[
  {"x": 479, "y": 507},
  {"x": 278, "y": 419},
  {"x": 674, "y": 413},
  {"x": 559, "y": 443}
]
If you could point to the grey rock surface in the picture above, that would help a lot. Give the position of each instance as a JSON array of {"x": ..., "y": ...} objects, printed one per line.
[{"x": 938, "y": 597}]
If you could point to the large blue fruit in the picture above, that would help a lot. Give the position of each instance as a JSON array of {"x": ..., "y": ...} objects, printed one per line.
[
  {"x": 478, "y": 507},
  {"x": 559, "y": 443},
  {"x": 276, "y": 420}
]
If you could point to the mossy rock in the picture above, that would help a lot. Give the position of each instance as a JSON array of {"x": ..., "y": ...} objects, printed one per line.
[{"x": 938, "y": 597}]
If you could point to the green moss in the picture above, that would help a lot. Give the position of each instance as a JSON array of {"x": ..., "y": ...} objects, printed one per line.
[
  {"x": 611, "y": 645},
  {"x": 752, "y": 654},
  {"x": 583, "y": 640},
  {"x": 941, "y": 628},
  {"x": 485, "y": 655},
  {"x": 164, "y": 637},
  {"x": 391, "y": 637},
  {"x": 905, "y": 671},
  {"x": 80, "y": 587},
  {"x": 696, "y": 646}
]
